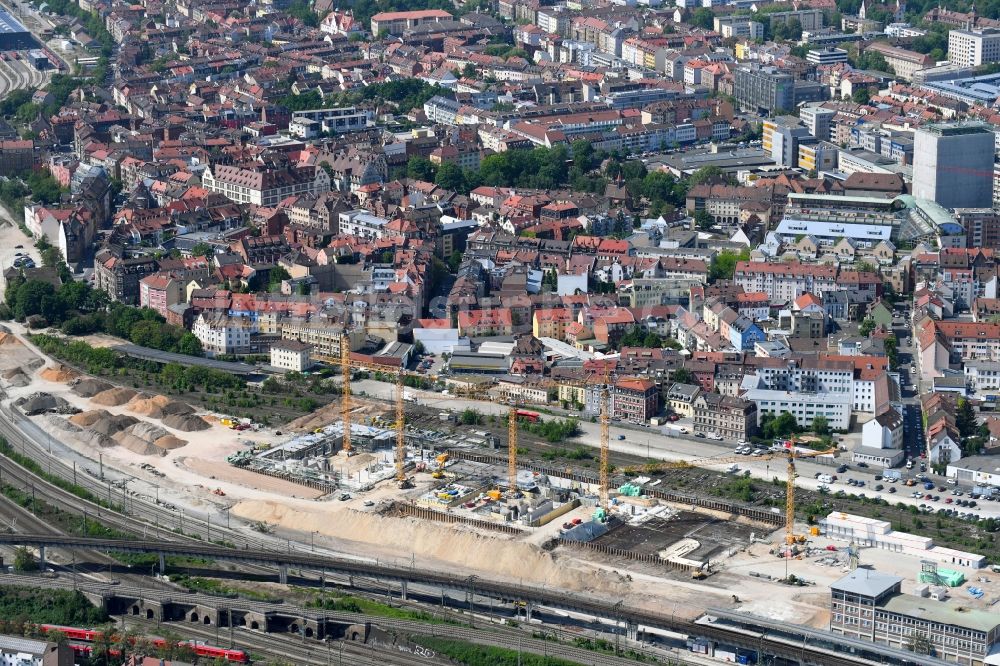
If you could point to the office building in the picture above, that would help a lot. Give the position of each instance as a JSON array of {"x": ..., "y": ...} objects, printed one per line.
[
  {"x": 817, "y": 120},
  {"x": 781, "y": 138},
  {"x": 828, "y": 56},
  {"x": 972, "y": 48},
  {"x": 764, "y": 89},
  {"x": 869, "y": 605},
  {"x": 953, "y": 164},
  {"x": 904, "y": 63},
  {"x": 818, "y": 156},
  {"x": 739, "y": 27}
]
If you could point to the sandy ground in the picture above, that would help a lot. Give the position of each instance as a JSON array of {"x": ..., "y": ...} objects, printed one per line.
[{"x": 195, "y": 470}]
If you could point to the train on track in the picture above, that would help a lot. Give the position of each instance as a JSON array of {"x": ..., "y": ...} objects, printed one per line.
[{"x": 92, "y": 636}]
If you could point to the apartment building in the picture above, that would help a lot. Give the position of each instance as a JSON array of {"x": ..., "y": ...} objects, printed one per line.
[
  {"x": 291, "y": 355},
  {"x": 160, "y": 291},
  {"x": 120, "y": 276},
  {"x": 981, "y": 226},
  {"x": 785, "y": 281},
  {"x": 635, "y": 400},
  {"x": 869, "y": 605},
  {"x": 16, "y": 157},
  {"x": 395, "y": 23},
  {"x": 739, "y": 27},
  {"x": 335, "y": 120},
  {"x": 735, "y": 419},
  {"x": 264, "y": 185},
  {"x": 983, "y": 375},
  {"x": 221, "y": 334},
  {"x": 805, "y": 407},
  {"x": 323, "y": 336}
]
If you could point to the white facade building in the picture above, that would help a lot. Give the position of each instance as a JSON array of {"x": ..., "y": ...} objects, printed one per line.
[
  {"x": 222, "y": 334},
  {"x": 291, "y": 355}
]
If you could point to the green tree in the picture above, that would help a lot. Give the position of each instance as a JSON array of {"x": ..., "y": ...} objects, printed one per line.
[
  {"x": 702, "y": 18},
  {"x": 201, "y": 250},
  {"x": 420, "y": 168},
  {"x": 820, "y": 425},
  {"x": 708, "y": 174},
  {"x": 682, "y": 376},
  {"x": 189, "y": 344},
  {"x": 24, "y": 560},
  {"x": 450, "y": 177},
  {"x": 965, "y": 418},
  {"x": 33, "y": 297},
  {"x": 275, "y": 277},
  {"x": 583, "y": 155},
  {"x": 782, "y": 425},
  {"x": 703, "y": 219},
  {"x": 723, "y": 265},
  {"x": 866, "y": 327},
  {"x": 862, "y": 95}
]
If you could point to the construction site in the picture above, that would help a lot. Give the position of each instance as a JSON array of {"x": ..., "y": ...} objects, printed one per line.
[{"x": 394, "y": 456}]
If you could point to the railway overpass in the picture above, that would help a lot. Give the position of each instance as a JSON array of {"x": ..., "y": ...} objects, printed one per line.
[{"x": 798, "y": 643}]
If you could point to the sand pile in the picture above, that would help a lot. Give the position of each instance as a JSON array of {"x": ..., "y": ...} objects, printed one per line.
[
  {"x": 8, "y": 339},
  {"x": 40, "y": 403},
  {"x": 113, "y": 397},
  {"x": 63, "y": 424},
  {"x": 169, "y": 442},
  {"x": 104, "y": 422},
  {"x": 15, "y": 377},
  {"x": 157, "y": 406},
  {"x": 140, "y": 437},
  {"x": 96, "y": 439},
  {"x": 59, "y": 373},
  {"x": 453, "y": 544},
  {"x": 185, "y": 423},
  {"x": 88, "y": 388}
]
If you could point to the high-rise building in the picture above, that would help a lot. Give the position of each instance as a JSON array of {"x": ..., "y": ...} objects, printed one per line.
[
  {"x": 953, "y": 164},
  {"x": 781, "y": 137},
  {"x": 819, "y": 120},
  {"x": 764, "y": 89},
  {"x": 972, "y": 48}
]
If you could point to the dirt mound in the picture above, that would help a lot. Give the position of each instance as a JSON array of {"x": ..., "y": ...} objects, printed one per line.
[
  {"x": 103, "y": 422},
  {"x": 16, "y": 378},
  {"x": 59, "y": 373},
  {"x": 63, "y": 424},
  {"x": 113, "y": 397},
  {"x": 87, "y": 419},
  {"x": 147, "y": 431},
  {"x": 8, "y": 339},
  {"x": 40, "y": 403},
  {"x": 138, "y": 445},
  {"x": 185, "y": 423},
  {"x": 140, "y": 437},
  {"x": 88, "y": 388},
  {"x": 169, "y": 442},
  {"x": 96, "y": 439},
  {"x": 158, "y": 406}
]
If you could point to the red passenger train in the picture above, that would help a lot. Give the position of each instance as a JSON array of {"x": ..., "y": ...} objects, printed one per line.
[{"x": 92, "y": 635}]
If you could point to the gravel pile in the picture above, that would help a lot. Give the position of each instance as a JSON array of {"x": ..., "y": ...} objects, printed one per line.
[{"x": 88, "y": 388}]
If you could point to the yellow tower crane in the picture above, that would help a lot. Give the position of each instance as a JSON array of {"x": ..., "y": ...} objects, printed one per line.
[
  {"x": 345, "y": 388},
  {"x": 512, "y": 450},
  {"x": 789, "y": 453},
  {"x": 605, "y": 466},
  {"x": 400, "y": 436}
]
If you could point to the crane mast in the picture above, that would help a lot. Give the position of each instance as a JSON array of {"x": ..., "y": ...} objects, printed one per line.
[
  {"x": 400, "y": 425},
  {"x": 512, "y": 450},
  {"x": 605, "y": 439},
  {"x": 345, "y": 392},
  {"x": 790, "y": 497}
]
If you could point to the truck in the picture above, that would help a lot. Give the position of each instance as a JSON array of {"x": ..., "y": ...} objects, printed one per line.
[{"x": 676, "y": 430}]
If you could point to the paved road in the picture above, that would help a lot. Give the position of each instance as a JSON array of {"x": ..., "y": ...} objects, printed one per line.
[{"x": 654, "y": 443}]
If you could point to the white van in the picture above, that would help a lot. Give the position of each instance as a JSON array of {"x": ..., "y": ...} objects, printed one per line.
[{"x": 825, "y": 478}]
